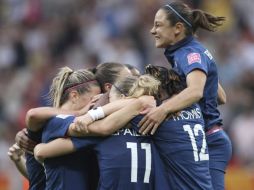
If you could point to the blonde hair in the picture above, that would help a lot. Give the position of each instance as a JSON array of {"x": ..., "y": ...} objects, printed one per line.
[
  {"x": 67, "y": 79},
  {"x": 145, "y": 85},
  {"x": 134, "y": 87}
]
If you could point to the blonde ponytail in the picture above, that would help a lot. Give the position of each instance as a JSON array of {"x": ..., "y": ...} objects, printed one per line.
[
  {"x": 68, "y": 79},
  {"x": 57, "y": 87}
]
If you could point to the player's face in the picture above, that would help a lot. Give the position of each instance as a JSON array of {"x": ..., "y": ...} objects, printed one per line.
[
  {"x": 84, "y": 99},
  {"x": 163, "y": 32}
]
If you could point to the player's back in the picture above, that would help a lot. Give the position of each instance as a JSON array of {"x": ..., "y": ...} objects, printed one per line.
[
  {"x": 182, "y": 145},
  {"x": 127, "y": 161}
]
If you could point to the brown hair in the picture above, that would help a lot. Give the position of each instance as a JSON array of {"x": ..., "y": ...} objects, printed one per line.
[
  {"x": 192, "y": 19},
  {"x": 67, "y": 79},
  {"x": 170, "y": 80},
  {"x": 108, "y": 73}
]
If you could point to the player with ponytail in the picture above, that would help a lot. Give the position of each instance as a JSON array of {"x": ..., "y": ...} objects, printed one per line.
[{"x": 175, "y": 26}]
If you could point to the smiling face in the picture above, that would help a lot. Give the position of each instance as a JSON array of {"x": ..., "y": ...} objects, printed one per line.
[{"x": 164, "y": 34}]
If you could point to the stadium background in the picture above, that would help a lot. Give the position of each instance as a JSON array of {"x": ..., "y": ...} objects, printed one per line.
[{"x": 39, "y": 36}]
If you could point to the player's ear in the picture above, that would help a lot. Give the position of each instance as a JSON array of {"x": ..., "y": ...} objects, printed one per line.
[
  {"x": 179, "y": 28},
  {"x": 107, "y": 87},
  {"x": 73, "y": 96}
]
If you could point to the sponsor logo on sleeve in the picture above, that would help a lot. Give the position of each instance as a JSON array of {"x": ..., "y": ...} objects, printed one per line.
[
  {"x": 194, "y": 58},
  {"x": 208, "y": 54}
]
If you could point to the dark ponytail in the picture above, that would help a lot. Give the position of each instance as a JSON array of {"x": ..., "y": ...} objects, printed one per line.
[
  {"x": 201, "y": 19},
  {"x": 191, "y": 19},
  {"x": 175, "y": 83}
]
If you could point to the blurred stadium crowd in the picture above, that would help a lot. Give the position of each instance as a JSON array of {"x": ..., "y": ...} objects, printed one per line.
[{"x": 39, "y": 36}]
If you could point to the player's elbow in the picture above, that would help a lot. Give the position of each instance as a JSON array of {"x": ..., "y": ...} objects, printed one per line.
[
  {"x": 196, "y": 94},
  {"x": 222, "y": 100},
  {"x": 32, "y": 119},
  {"x": 199, "y": 95},
  {"x": 39, "y": 154},
  {"x": 31, "y": 116}
]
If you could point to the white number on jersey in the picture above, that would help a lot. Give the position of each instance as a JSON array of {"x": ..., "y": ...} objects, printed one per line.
[
  {"x": 202, "y": 155},
  {"x": 134, "y": 160}
]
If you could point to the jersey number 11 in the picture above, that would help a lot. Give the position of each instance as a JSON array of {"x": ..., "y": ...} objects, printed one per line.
[{"x": 134, "y": 160}]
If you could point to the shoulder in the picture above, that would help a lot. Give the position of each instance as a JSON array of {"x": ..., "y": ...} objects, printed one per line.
[
  {"x": 56, "y": 127},
  {"x": 60, "y": 119}
]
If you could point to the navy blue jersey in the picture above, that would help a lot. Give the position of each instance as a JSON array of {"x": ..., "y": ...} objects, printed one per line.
[
  {"x": 181, "y": 143},
  {"x": 65, "y": 172},
  {"x": 127, "y": 161},
  {"x": 36, "y": 175},
  {"x": 188, "y": 55}
]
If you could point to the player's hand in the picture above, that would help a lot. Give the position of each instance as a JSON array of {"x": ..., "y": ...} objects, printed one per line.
[
  {"x": 24, "y": 142},
  {"x": 152, "y": 120},
  {"x": 15, "y": 153},
  {"x": 148, "y": 102},
  {"x": 90, "y": 104},
  {"x": 81, "y": 124}
]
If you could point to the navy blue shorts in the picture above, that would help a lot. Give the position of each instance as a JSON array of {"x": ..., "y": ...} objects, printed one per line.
[{"x": 220, "y": 152}]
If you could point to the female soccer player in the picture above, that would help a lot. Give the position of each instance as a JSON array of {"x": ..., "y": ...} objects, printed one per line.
[
  {"x": 174, "y": 27},
  {"x": 70, "y": 90},
  {"x": 180, "y": 139},
  {"x": 127, "y": 160}
]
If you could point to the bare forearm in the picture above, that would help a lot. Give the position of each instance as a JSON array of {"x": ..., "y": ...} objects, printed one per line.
[
  {"x": 116, "y": 120},
  {"x": 54, "y": 148},
  {"x": 116, "y": 105},
  {"x": 111, "y": 123},
  {"x": 182, "y": 100},
  {"x": 222, "y": 97},
  {"x": 21, "y": 166}
]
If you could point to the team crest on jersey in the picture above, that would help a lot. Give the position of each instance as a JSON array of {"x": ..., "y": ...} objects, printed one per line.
[{"x": 194, "y": 58}]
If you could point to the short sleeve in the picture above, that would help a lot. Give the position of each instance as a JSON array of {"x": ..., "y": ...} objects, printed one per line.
[
  {"x": 80, "y": 143},
  {"x": 192, "y": 60},
  {"x": 56, "y": 127}
]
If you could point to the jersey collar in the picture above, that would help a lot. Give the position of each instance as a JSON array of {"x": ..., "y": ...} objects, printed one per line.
[{"x": 181, "y": 43}]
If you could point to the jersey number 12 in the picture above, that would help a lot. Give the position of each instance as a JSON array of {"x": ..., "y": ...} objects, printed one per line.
[
  {"x": 134, "y": 160},
  {"x": 192, "y": 133}
]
